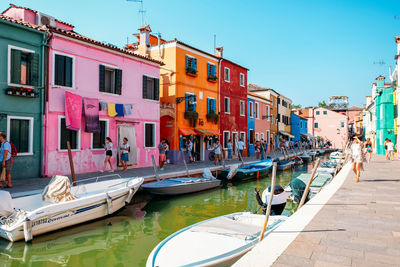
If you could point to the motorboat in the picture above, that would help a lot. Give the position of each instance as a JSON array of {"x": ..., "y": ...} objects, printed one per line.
[
  {"x": 335, "y": 156},
  {"x": 61, "y": 206},
  {"x": 305, "y": 157},
  {"x": 252, "y": 171},
  {"x": 285, "y": 165},
  {"x": 219, "y": 241},
  {"x": 297, "y": 161},
  {"x": 278, "y": 202},
  {"x": 298, "y": 184}
]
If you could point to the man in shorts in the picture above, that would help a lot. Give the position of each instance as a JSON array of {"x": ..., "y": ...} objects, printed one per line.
[
  {"x": 162, "y": 147},
  {"x": 218, "y": 152},
  {"x": 5, "y": 158}
]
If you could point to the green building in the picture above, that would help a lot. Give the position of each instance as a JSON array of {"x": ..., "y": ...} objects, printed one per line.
[
  {"x": 21, "y": 93},
  {"x": 385, "y": 113}
]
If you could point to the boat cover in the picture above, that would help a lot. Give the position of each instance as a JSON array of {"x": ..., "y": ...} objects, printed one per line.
[
  {"x": 318, "y": 181},
  {"x": 58, "y": 190},
  {"x": 6, "y": 205},
  {"x": 207, "y": 174}
]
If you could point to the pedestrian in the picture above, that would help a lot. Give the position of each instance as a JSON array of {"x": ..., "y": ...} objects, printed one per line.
[
  {"x": 357, "y": 157},
  {"x": 125, "y": 149},
  {"x": 162, "y": 147},
  {"x": 108, "y": 147},
  {"x": 5, "y": 159},
  {"x": 166, "y": 151},
  {"x": 257, "y": 149},
  {"x": 390, "y": 150},
  {"x": 189, "y": 147},
  {"x": 229, "y": 147},
  {"x": 241, "y": 147},
  {"x": 262, "y": 149},
  {"x": 265, "y": 147},
  {"x": 368, "y": 149},
  {"x": 218, "y": 152}
]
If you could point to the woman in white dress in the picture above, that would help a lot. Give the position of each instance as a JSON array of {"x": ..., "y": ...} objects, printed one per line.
[{"x": 357, "y": 157}]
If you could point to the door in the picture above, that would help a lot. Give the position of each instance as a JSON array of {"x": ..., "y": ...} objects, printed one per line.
[
  {"x": 128, "y": 131},
  {"x": 197, "y": 147},
  {"x": 235, "y": 141}
]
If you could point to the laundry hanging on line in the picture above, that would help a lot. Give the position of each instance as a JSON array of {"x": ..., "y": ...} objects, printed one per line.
[
  {"x": 111, "y": 109},
  {"x": 91, "y": 115},
  {"x": 73, "y": 111},
  {"x": 119, "y": 108}
]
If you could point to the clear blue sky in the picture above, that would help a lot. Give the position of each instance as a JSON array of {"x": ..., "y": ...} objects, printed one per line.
[{"x": 307, "y": 50}]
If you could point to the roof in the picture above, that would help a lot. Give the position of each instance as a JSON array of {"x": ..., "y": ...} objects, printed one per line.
[
  {"x": 256, "y": 88},
  {"x": 301, "y": 116},
  {"x": 20, "y": 7},
  {"x": 78, "y": 36},
  {"x": 355, "y": 108},
  {"x": 21, "y": 22},
  {"x": 240, "y": 66},
  {"x": 258, "y": 96},
  {"x": 194, "y": 48}
]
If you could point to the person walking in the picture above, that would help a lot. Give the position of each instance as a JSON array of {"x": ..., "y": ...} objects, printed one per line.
[
  {"x": 262, "y": 149},
  {"x": 189, "y": 146},
  {"x": 386, "y": 150},
  {"x": 390, "y": 150},
  {"x": 166, "y": 151},
  {"x": 162, "y": 149},
  {"x": 357, "y": 157},
  {"x": 218, "y": 152},
  {"x": 125, "y": 149},
  {"x": 108, "y": 147},
  {"x": 229, "y": 147},
  {"x": 257, "y": 149},
  {"x": 5, "y": 159},
  {"x": 241, "y": 147},
  {"x": 368, "y": 148}
]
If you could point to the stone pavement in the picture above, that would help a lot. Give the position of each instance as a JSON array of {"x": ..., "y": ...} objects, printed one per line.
[{"x": 359, "y": 226}]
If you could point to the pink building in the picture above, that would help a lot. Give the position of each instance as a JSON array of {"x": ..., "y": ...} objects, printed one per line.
[
  {"x": 262, "y": 118},
  {"x": 111, "y": 77},
  {"x": 328, "y": 124}
]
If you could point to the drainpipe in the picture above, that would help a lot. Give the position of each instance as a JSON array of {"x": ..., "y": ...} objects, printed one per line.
[{"x": 42, "y": 105}]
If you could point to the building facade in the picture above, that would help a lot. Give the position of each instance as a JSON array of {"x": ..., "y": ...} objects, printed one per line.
[
  {"x": 298, "y": 127},
  {"x": 369, "y": 121},
  {"x": 262, "y": 118},
  {"x": 284, "y": 113},
  {"x": 251, "y": 127},
  {"x": 22, "y": 47}
]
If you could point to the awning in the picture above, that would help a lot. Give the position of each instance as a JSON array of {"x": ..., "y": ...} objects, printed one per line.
[
  {"x": 287, "y": 134},
  {"x": 207, "y": 132},
  {"x": 187, "y": 132},
  {"x": 309, "y": 135}
]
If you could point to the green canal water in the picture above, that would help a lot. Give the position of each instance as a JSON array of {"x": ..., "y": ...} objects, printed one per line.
[{"x": 127, "y": 238}]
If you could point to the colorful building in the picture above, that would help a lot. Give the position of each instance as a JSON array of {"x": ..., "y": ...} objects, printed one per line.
[
  {"x": 188, "y": 92},
  {"x": 233, "y": 104},
  {"x": 369, "y": 120},
  {"x": 262, "y": 118},
  {"x": 22, "y": 47},
  {"x": 298, "y": 127},
  {"x": 284, "y": 113},
  {"x": 250, "y": 127},
  {"x": 395, "y": 77}
]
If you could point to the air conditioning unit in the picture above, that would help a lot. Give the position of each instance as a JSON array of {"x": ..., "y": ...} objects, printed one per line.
[{"x": 45, "y": 20}]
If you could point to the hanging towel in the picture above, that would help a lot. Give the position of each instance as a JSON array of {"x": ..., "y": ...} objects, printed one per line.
[
  {"x": 127, "y": 109},
  {"x": 91, "y": 115},
  {"x": 111, "y": 109},
  {"x": 119, "y": 108},
  {"x": 73, "y": 111},
  {"x": 103, "y": 106}
]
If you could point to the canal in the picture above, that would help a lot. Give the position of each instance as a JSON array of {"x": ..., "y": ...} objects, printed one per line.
[{"x": 127, "y": 238}]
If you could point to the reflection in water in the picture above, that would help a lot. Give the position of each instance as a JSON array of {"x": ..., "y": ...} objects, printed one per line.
[{"x": 127, "y": 238}]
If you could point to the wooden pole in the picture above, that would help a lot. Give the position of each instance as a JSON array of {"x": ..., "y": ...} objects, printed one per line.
[
  {"x": 305, "y": 193},
  {"x": 71, "y": 163},
  {"x": 155, "y": 168},
  {"x": 269, "y": 201},
  {"x": 184, "y": 162}
]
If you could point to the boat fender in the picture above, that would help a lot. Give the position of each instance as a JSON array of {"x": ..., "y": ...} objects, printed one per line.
[
  {"x": 28, "y": 230},
  {"x": 109, "y": 205},
  {"x": 129, "y": 197}
]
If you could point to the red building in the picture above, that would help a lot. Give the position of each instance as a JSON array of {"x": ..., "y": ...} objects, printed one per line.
[{"x": 233, "y": 101}]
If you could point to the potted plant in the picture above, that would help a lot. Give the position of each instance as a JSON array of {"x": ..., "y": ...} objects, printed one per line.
[
  {"x": 192, "y": 117},
  {"x": 191, "y": 72},
  {"x": 212, "y": 78},
  {"x": 212, "y": 117}
]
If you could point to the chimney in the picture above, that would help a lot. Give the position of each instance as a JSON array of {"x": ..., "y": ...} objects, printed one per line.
[
  {"x": 144, "y": 40},
  {"x": 219, "y": 51}
]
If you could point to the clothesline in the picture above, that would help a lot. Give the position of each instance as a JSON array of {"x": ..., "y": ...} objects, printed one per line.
[{"x": 116, "y": 110}]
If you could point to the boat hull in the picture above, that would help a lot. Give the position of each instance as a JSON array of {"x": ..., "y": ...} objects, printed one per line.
[
  {"x": 282, "y": 166},
  {"x": 166, "y": 187}
]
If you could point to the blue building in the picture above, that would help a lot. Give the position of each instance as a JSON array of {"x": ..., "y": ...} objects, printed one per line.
[
  {"x": 250, "y": 127},
  {"x": 298, "y": 127}
]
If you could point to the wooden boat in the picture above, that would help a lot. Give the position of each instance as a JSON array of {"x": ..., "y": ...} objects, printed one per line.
[
  {"x": 252, "y": 171},
  {"x": 305, "y": 157},
  {"x": 297, "y": 161},
  {"x": 219, "y": 241},
  {"x": 61, "y": 206},
  {"x": 185, "y": 185},
  {"x": 285, "y": 165},
  {"x": 320, "y": 180}
]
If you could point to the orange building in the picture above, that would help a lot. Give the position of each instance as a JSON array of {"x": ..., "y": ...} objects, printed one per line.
[{"x": 188, "y": 93}]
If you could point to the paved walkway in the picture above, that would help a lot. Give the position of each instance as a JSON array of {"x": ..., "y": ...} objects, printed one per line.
[{"x": 359, "y": 226}]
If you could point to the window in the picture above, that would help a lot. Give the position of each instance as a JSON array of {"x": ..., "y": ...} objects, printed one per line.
[
  {"x": 190, "y": 102},
  {"x": 227, "y": 74},
  {"x": 257, "y": 137},
  {"x": 151, "y": 88},
  {"x": 67, "y": 135},
  {"x": 251, "y": 109},
  {"x": 149, "y": 135},
  {"x": 284, "y": 103},
  {"x": 227, "y": 105},
  {"x": 316, "y": 125},
  {"x": 261, "y": 136},
  {"x": 268, "y": 113},
  {"x": 63, "y": 71},
  {"x": 301, "y": 124},
  {"x": 251, "y": 137},
  {"x": 98, "y": 139},
  {"x": 241, "y": 79},
  {"x": 242, "y": 108},
  {"x": 256, "y": 111},
  {"x": 226, "y": 139},
  {"x": 268, "y": 136},
  {"x": 23, "y": 66},
  {"x": 317, "y": 112},
  {"x": 20, "y": 133},
  {"x": 341, "y": 124},
  {"x": 110, "y": 80},
  {"x": 243, "y": 137},
  {"x": 211, "y": 71},
  {"x": 191, "y": 65},
  {"x": 211, "y": 105},
  {"x": 325, "y": 112}
]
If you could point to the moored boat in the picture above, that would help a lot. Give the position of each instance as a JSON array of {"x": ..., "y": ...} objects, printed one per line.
[
  {"x": 219, "y": 241},
  {"x": 285, "y": 165},
  {"x": 252, "y": 171}
]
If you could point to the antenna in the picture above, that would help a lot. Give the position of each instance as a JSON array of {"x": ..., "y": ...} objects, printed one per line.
[
  {"x": 379, "y": 62},
  {"x": 141, "y": 10},
  {"x": 215, "y": 42}
]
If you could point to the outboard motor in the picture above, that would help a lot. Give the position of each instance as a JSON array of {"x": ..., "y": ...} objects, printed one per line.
[
  {"x": 298, "y": 187},
  {"x": 278, "y": 202}
]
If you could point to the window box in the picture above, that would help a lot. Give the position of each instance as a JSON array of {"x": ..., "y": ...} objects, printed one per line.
[
  {"x": 212, "y": 79},
  {"x": 192, "y": 117},
  {"x": 191, "y": 72},
  {"x": 212, "y": 117},
  {"x": 21, "y": 91}
]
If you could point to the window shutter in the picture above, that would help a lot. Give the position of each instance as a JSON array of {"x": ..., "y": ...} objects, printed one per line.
[
  {"x": 214, "y": 71},
  {"x": 102, "y": 86},
  {"x": 187, "y": 98},
  {"x": 187, "y": 61},
  {"x": 68, "y": 71},
  {"x": 15, "y": 66},
  {"x": 214, "y": 105},
  {"x": 157, "y": 89},
  {"x": 34, "y": 69},
  {"x": 194, "y": 63},
  {"x": 144, "y": 87},
  {"x": 208, "y": 105},
  {"x": 118, "y": 81},
  {"x": 208, "y": 70},
  {"x": 195, "y": 101}
]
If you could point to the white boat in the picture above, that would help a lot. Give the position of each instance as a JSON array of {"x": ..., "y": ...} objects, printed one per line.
[
  {"x": 336, "y": 156},
  {"x": 61, "y": 205},
  {"x": 219, "y": 241}
]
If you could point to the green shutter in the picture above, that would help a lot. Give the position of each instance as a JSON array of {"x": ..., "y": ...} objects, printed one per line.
[
  {"x": 102, "y": 78},
  {"x": 68, "y": 71},
  {"x": 144, "y": 87},
  {"x": 15, "y": 66},
  {"x": 157, "y": 89},
  {"x": 118, "y": 81},
  {"x": 34, "y": 69}
]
